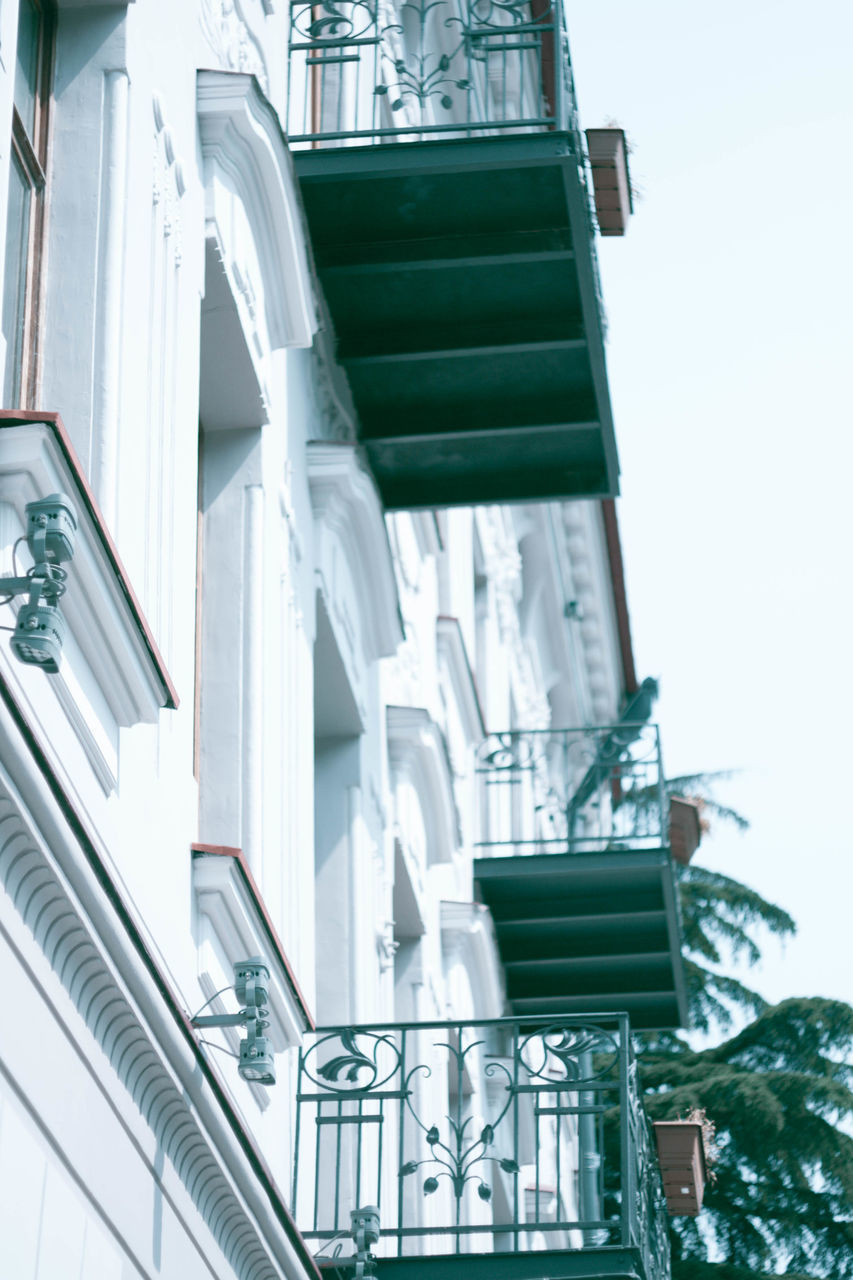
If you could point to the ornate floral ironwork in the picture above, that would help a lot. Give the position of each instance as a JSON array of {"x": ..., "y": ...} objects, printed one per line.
[
  {"x": 458, "y": 1158},
  {"x": 356, "y": 1067},
  {"x": 455, "y": 1112},
  {"x": 562, "y": 1053},
  {"x": 498, "y": 15},
  {"x": 573, "y": 789},
  {"x": 422, "y": 59},
  {"x": 505, "y": 751},
  {"x": 329, "y": 23},
  {"x": 425, "y": 73}
]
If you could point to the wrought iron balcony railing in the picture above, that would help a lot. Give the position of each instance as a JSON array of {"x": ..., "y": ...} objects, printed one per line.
[
  {"x": 511, "y": 1136},
  {"x": 572, "y": 790},
  {"x": 374, "y": 71}
]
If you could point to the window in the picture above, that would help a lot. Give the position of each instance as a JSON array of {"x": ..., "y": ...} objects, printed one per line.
[{"x": 27, "y": 182}]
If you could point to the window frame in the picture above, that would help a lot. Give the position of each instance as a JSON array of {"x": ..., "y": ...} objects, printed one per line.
[{"x": 31, "y": 154}]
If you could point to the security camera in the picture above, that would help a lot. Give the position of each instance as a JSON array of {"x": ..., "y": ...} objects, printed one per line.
[{"x": 40, "y": 627}]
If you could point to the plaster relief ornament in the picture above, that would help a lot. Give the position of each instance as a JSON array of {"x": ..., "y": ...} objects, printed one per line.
[
  {"x": 386, "y": 945},
  {"x": 408, "y": 660},
  {"x": 505, "y": 571},
  {"x": 168, "y": 183},
  {"x": 228, "y": 35},
  {"x": 335, "y": 422}
]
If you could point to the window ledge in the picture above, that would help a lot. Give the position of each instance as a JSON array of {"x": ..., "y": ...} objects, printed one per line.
[
  {"x": 227, "y": 896},
  {"x": 111, "y": 674},
  {"x": 105, "y": 621}
]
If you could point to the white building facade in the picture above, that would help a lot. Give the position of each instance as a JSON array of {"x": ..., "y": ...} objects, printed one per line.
[{"x": 265, "y": 736}]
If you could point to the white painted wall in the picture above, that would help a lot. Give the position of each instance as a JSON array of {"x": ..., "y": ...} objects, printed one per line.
[{"x": 142, "y": 223}]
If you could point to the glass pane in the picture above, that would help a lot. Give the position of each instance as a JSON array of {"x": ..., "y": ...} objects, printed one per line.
[
  {"x": 26, "y": 72},
  {"x": 15, "y": 280}
]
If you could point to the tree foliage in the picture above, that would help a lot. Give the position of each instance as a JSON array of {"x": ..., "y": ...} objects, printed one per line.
[
  {"x": 780, "y": 1092},
  {"x": 776, "y": 1091},
  {"x": 693, "y": 1269},
  {"x": 719, "y": 916}
]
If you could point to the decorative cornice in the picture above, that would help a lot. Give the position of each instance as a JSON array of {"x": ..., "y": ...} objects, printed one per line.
[
  {"x": 71, "y": 865},
  {"x": 416, "y": 751},
  {"x": 241, "y": 137},
  {"x": 467, "y": 934},
  {"x": 598, "y": 625},
  {"x": 347, "y": 507},
  {"x": 453, "y": 658},
  {"x": 163, "y": 1100},
  {"x": 337, "y": 418}
]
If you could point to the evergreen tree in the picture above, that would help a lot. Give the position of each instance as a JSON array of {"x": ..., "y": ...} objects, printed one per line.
[
  {"x": 719, "y": 915},
  {"x": 782, "y": 1197},
  {"x": 780, "y": 1092}
]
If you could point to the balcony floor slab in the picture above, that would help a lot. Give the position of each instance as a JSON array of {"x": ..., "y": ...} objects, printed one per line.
[
  {"x": 549, "y": 1264},
  {"x": 588, "y": 932},
  {"x": 461, "y": 282}
]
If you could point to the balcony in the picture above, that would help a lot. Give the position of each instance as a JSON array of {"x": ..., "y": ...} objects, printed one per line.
[
  {"x": 575, "y": 867},
  {"x": 500, "y": 1149},
  {"x": 446, "y": 190}
]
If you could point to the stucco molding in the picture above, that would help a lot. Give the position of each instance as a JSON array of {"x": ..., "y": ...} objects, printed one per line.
[
  {"x": 227, "y": 32},
  {"x": 417, "y": 753},
  {"x": 584, "y": 540},
  {"x": 246, "y": 155},
  {"x": 468, "y": 938},
  {"x": 148, "y": 1086},
  {"x": 330, "y": 394},
  {"x": 348, "y": 511},
  {"x": 455, "y": 666}
]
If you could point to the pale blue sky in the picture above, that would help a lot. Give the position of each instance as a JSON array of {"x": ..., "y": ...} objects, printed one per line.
[{"x": 730, "y": 354}]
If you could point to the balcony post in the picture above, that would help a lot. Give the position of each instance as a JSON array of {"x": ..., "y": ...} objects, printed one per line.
[
  {"x": 662, "y": 805},
  {"x": 627, "y": 1181},
  {"x": 560, "y": 48},
  {"x": 590, "y": 1155},
  {"x": 516, "y": 1040},
  {"x": 401, "y": 1139}
]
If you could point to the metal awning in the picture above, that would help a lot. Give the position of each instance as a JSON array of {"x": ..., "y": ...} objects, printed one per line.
[
  {"x": 461, "y": 280},
  {"x": 586, "y": 932}
]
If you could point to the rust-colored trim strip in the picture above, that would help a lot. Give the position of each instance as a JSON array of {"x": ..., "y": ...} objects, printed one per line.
[
  {"x": 239, "y": 858},
  {"x": 620, "y": 600},
  {"x": 21, "y": 418}
]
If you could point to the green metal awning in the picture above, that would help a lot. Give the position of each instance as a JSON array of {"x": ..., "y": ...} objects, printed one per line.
[
  {"x": 461, "y": 280},
  {"x": 588, "y": 932}
]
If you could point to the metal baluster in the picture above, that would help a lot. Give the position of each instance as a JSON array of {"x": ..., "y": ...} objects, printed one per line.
[
  {"x": 297, "y": 1131},
  {"x": 628, "y": 1150},
  {"x": 379, "y": 1154},
  {"x": 516, "y": 1034},
  {"x": 358, "y": 1149},
  {"x": 401, "y": 1152},
  {"x": 318, "y": 1129},
  {"x": 338, "y": 1136}
]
